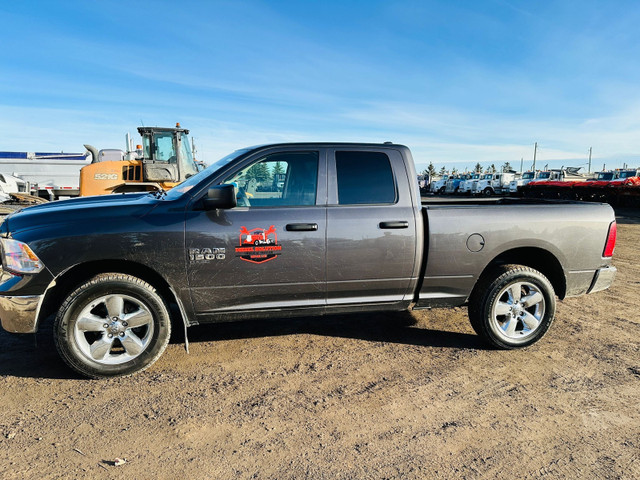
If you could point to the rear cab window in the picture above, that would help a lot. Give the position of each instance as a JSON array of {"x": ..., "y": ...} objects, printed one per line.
[{"x": 364, "y": 178}]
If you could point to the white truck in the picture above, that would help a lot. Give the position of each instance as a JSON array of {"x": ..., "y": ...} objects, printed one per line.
[
  {"x": 11, "y": 184},
  {"x": 438, "y": 186},
  {"x": 484, "y": 185},
  {"x": 622, "y": 175},
  {"x": 516, "y": 184},
  {"x": 454, "y": 182},
  {"x": 467, "y": 185},
  {"x": 500, "y": 183}
]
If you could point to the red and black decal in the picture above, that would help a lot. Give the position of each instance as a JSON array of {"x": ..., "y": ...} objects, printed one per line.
[{"x": 258, "y": 245}]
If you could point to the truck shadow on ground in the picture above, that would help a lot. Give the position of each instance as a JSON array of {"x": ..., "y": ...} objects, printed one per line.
[
  {"x": 628, "y": 216},
  {"x": 394, "y": 327},
  {"x": 35, "y": 356}
]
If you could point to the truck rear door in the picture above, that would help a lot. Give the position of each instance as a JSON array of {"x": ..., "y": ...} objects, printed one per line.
[{"x": 371, "y": 227}]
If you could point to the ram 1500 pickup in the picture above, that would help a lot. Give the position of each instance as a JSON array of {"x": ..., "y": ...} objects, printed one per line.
[{"x": 284, "y": 230}]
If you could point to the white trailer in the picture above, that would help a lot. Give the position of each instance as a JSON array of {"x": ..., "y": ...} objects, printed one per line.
[{"x": 48, "y": 175}]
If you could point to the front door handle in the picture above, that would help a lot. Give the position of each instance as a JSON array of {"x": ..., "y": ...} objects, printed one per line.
[
  {"x": 302, "y": 227},
  {"x": 396, "y": 224}
]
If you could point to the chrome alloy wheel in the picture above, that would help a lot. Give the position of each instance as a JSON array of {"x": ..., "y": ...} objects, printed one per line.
[
  {"x": 113, "y": 329},
  {"x": 518, "y": 311}
]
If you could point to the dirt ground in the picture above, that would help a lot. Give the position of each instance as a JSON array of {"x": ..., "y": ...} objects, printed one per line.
[{"x": 360, "y": 396}]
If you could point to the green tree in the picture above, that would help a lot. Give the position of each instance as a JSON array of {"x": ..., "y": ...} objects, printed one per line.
[
  {"x": 443, "y": 171},
  {"x": 278, "y": 168},
  {"x": 431, "y": 170},
  {"x": 259, "y": 172},
  {"x": 478, "y": 168},
  {"x": 492, "y": 168},
  {"x": 506, "y": 167}
]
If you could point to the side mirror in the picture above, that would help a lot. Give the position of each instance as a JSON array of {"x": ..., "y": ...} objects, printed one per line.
[{"x": 220, "y": 196}]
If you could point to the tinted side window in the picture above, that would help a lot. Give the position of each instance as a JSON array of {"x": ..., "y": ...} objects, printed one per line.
[{"x": 364, "y": 178}]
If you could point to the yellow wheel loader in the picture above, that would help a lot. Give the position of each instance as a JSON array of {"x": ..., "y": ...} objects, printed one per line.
[{"x": 162, "y": 161}]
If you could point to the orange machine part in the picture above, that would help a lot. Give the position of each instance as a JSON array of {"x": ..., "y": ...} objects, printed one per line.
[{"x": 102, "y": 177}]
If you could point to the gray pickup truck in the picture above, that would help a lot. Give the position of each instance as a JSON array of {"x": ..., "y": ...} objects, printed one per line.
[{"x": 285, "y": 230}]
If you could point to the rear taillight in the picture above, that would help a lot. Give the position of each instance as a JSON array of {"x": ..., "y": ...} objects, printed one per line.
[{"x": 611, "y": 240}]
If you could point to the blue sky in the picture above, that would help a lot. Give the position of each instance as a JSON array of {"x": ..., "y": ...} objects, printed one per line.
[{"x": 458, "y": 82}]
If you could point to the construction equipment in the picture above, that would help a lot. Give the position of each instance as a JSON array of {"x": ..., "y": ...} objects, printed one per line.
[{"x": 162, "y": 161}]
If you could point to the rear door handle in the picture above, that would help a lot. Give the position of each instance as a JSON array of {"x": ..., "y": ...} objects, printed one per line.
[
  {"x": 396, "y": 224},
  {"x": 302, "y": 227}
]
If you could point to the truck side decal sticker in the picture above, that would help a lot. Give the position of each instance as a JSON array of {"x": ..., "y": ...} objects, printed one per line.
[{"x": 258, "y": 245}]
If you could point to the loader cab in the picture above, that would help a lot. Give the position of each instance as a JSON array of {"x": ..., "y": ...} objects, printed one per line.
[{"x": 167, "y": 155}]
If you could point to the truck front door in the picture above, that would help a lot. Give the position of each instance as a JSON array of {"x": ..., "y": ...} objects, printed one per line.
[{"x": 268, "y": 253}]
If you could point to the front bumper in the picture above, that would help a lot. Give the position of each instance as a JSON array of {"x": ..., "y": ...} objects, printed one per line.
[{"x": 19, "y": 314}]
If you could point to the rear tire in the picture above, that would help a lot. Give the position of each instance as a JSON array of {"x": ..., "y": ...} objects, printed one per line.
[
  {"x": 112, "y": 325},
  {"x": 512, "y": 307}
]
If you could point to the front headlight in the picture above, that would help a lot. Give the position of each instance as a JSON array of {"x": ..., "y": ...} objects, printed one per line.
[{"x": 17, "y": 257}]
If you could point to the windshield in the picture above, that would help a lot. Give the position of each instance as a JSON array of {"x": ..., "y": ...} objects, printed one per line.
[
  {"x": 187, "y": 185},
  {"x": 164, "y": 147},
  {"x": 487, "y": 177},
  {"x": 187, "y": 165},
  {"x": 627, "y": 173},
  {"x": 527, "y": 175},
  {"x": 604, "y": 176},
  {"x": 544, "y": 175}
]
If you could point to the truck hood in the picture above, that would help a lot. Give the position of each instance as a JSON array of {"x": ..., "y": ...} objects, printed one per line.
[{"x": 78, "y": 210}]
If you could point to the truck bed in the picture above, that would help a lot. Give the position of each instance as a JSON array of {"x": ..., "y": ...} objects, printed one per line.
[{"x": 464, "y": 236}]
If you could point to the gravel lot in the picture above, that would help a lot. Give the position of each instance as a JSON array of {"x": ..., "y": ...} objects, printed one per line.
[{"x": 360, "y": 396}]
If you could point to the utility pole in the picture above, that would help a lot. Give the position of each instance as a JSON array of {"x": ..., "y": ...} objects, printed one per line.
[
  {"x": 589, "y": 159},
  {"x": 521, "y": 163},
  {"x": 535, "y": 151}
]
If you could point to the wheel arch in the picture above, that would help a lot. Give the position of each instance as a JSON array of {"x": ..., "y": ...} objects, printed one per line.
[
  {"x": 73, "y": 277},
  {"x": 534, "y": 257}
]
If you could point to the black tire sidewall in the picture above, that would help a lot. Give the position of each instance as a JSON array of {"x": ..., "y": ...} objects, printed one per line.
[
  {"x": 95, "y": 288},
  {"x": 484, "y": 303}
]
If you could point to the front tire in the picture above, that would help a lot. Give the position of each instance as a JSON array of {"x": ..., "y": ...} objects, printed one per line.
[
  {"x": 512, "y": 307},
  {"x": 112, "y": 325}
]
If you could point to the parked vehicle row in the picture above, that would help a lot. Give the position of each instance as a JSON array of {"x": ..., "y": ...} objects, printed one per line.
[
  {"x": 475, "y": 183},
  {"x": 617, "y": 187}
]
